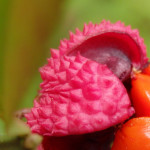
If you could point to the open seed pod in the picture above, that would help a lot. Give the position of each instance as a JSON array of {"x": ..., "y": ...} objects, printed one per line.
[
  {"x": 117, "y": 46},
  {"x": 82, "y": 90}
]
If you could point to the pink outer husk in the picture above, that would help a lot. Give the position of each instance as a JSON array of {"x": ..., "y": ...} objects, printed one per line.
[
  {"x": 78, "y": 96},
  {"x": 136, "y": 52}
]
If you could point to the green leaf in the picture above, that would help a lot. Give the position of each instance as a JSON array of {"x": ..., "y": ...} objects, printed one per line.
[
  {"x": 18, "y": 128},
  {"x": 18, "y": 137}
]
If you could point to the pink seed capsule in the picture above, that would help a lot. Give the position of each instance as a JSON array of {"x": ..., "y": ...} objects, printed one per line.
[{"x": 82, "y": 90}]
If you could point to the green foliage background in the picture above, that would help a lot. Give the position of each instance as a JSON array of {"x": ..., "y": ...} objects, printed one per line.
[{"x": 29, "y": 28}]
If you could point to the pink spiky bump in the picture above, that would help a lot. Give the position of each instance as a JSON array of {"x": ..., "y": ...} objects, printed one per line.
[
  {"x": 115, "y": 35},
  {"x": 87, "y": 97}
]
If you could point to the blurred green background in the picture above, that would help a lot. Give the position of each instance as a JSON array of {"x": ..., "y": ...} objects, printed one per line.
[{"x": 29, "y": 28}]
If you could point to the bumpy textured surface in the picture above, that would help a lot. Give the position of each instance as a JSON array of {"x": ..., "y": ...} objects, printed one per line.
[
  {"x": 78, "y": 96},
  {"x": 127, "y": 40},
  {"x": 81, "y": 92},
  {"x": 124, "y": 38},
  {"x": 116, "y": 45}
]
